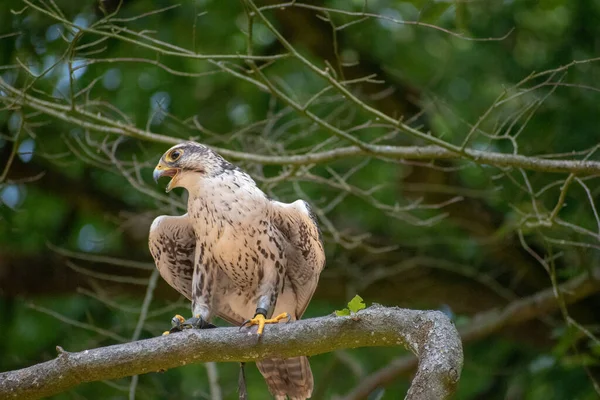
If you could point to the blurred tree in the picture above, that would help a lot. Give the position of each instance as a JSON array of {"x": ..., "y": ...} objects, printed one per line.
[{"x": 449, "y": 148}]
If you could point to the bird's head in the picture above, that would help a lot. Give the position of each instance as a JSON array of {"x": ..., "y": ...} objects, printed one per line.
[{"x": 187, "y": 162}]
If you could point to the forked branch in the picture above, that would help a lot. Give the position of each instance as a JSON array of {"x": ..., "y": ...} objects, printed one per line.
[{"x": 428, "y": 334}]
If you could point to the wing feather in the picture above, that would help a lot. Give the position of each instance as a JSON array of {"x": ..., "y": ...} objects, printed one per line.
[
  {"x": 305, "y": 255},
  {"x": 173, "y": 245}
]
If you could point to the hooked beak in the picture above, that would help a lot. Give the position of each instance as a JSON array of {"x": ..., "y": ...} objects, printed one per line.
[{"x": 161, "y": 171}]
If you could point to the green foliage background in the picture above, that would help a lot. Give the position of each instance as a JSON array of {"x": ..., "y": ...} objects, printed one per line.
[{"x": 84, "y": 204}]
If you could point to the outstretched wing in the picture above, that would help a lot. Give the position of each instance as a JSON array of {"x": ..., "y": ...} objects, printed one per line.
[
  {"x": 305, "y": 255},
  {"x": 173, "y": 245}
]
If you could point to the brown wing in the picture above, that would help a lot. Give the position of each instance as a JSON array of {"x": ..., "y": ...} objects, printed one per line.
[
  {"x": 173, "y": 245},
  {"x": 305, "y": 255}
]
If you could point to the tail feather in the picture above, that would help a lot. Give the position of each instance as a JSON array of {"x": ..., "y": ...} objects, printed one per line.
[{"x": 290, "y": 376}]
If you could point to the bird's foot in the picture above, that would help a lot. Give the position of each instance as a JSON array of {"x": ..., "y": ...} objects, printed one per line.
[
  {"x": 176, "y": 324},
  {"x": 260, "y": 320},
  {"x": 197, "y": 322},
  {"x": 179, "y": 323}
]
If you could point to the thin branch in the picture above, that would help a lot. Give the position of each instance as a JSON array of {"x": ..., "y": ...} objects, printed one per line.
[
  {"x": 102, "y": 259},
  {"x": 213, "y": 381},
  {"x": 13, "y": 152},
  {"x": 79, "y": 116},
  {"x": 365, "y": 15},
  {"x": 140, "y": 324},
  {"x": 107, "y": 277},
  {"x": 146, "y": 304},
  {"x": 177, "y": 51},
  {"x": 429, "y": 334},
  {"x": 78, "y": 324},
  {"x": 327, "y": 76}
]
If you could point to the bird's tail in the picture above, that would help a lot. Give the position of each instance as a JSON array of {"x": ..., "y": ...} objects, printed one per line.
[{"x": 290, "y": 376}]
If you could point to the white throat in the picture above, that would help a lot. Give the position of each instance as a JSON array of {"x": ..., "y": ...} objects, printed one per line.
[
  {"x": 191, "y": 181},
  {"x": 232, "y": 196}
]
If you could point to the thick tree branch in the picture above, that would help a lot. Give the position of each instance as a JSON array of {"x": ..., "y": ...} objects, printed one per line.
[
  {"x": 489, "y": 322},
  {"x": 429, "y": 334}
]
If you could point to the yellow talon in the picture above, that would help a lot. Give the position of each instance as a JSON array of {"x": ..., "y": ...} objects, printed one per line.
[
  {"x": 180, "y": 318},
  {"x": 165, "y": 333},
  {"x": 260, "y": 320}
]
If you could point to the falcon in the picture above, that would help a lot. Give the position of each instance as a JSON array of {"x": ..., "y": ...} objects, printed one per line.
[{"x": 238, "y": 255}]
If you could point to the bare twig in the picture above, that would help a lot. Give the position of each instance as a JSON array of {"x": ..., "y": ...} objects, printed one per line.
[
  {"x": 140, "y": 324},
  {"x": 79, "y": 116},
  {"x": 78, "y": 324},
  {"x": 213, "y": 381}
]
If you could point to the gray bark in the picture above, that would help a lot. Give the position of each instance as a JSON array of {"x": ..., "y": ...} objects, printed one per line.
[{"x": 429, "y": 334}]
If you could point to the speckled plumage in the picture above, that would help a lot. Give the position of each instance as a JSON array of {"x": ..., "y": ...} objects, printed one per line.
[{"x": 236, "y": 250}]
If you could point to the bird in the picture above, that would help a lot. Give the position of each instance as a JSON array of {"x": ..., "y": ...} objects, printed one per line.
[{"x": 238, "y": 255}]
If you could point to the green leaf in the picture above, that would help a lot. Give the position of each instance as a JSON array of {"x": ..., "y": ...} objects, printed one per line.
[
  {"x": 356, "y": 304},
  {"x": 342, "y": 313}
]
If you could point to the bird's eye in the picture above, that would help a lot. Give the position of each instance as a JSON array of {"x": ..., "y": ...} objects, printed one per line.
[{"x": 174, "y": 155}]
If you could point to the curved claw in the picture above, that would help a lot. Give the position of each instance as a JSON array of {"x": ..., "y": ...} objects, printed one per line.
[{"x": 246, "y": 322}]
